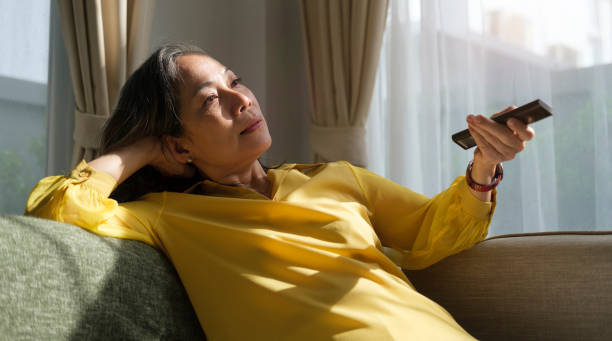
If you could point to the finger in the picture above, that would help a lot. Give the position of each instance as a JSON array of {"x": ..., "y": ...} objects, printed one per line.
[
  {"x": 488, "y": 127},
  {"x": 506, "y": 150},
  {"x": 512, "y": 107},
  {"x": 523, "y": 131},
  {"x": 485, "y": 148}
]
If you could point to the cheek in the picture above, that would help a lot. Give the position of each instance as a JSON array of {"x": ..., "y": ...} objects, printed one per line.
[{"x": 216, "y": 136}]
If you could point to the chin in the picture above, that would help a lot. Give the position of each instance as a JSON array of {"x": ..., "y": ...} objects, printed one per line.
[
  {"x": 260, "y": 145},
  {"x": 266, "y": 144}
]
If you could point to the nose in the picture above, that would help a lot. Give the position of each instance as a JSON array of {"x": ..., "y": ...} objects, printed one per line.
[{"x": 238, "y": 102}]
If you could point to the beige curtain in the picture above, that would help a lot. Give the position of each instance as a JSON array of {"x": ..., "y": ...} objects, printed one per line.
[
  {"x": 105, "y": 41},
  {"x": 343, "y": 39}
]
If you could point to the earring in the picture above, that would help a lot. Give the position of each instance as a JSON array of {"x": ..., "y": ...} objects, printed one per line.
[{"x": 189, "y": 160}]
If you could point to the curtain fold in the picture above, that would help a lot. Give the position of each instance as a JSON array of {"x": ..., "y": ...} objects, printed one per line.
[
  {"x": 343, "y": 40},
  {"x": 105, "y": 41}
]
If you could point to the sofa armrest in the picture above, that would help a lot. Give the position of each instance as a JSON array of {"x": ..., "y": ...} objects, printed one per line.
[{"x": 538, "y": 286}]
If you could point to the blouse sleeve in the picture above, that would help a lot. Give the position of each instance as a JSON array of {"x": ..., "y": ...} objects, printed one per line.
[
  {"x": 422, "y": 230},
  {"x": 82, "y": 199}
]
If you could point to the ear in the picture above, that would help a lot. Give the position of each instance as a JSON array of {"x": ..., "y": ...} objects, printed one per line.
[{"x": 177, "y": 147}]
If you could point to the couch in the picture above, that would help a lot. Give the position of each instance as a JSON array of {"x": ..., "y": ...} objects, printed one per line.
[{"x": 60, "y": 282}]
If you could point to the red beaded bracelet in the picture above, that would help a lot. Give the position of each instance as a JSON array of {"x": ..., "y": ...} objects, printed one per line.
[{"x": 499, "y": 174}]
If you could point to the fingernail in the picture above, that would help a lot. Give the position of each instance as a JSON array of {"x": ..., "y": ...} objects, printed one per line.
[
  {"x": 479, "y": 119},
  {"x": 470, "y": 118}
]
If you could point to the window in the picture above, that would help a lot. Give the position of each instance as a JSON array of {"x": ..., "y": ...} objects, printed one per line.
[
  {"x": 24, "y": 31},
  {"x": 444, "y": 59}
]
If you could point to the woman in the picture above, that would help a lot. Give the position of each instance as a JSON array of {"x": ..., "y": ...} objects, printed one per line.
[{"x": 290, "y": 253}]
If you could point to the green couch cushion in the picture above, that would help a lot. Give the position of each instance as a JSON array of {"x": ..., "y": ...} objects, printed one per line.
[{"x": 59, "y": 281}]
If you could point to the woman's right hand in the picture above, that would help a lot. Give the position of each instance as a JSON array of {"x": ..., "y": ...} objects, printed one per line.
[
  {"x": 124, "y": 162},
  {"x": 163, "y": 160}
]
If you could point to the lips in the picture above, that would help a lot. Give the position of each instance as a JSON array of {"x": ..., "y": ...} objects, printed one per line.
[{"x": 252, "y": 126}]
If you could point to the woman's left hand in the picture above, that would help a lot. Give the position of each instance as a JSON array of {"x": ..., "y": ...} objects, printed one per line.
[{"x": 497, "y": 142}]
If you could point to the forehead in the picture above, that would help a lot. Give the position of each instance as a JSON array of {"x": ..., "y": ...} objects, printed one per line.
[{"x": 197, "y": 68}]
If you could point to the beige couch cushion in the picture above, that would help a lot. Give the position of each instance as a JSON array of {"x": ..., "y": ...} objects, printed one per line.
[{"x": 539, "y": 286}]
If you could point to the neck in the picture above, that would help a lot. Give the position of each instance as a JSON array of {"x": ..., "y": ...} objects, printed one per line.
[{"x": 252, "y": 176}]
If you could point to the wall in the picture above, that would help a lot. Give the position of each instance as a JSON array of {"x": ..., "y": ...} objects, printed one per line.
[{"x": 260, "y": 40}]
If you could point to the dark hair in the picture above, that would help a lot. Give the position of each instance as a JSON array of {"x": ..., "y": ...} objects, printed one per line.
[{"x": 148, "y": 106}]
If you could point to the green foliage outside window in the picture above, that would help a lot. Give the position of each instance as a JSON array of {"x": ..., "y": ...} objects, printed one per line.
[{"x": 16, "y": 178}]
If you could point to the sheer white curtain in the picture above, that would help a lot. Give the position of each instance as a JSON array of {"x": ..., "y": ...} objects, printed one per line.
[{"x": 444, "y": 59}]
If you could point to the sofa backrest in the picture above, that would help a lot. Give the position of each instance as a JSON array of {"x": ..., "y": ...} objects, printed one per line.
[
  {"x": 534, "y": 286},
  {"x": 61, "y": 282}
]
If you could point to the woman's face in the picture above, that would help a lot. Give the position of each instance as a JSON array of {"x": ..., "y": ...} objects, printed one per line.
[{"x": 224, "y": 126}]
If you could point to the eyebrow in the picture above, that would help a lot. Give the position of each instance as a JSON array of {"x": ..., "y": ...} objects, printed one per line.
[{"x": 205, "y": 84}]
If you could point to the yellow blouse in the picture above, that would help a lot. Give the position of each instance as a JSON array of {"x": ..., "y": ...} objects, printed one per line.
[{"x": 308, "y": 264}]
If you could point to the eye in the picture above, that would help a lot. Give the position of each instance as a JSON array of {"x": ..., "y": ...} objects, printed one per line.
[
  {"x": 236, "y": 81},
  {"x": 209, "y": 99}
]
